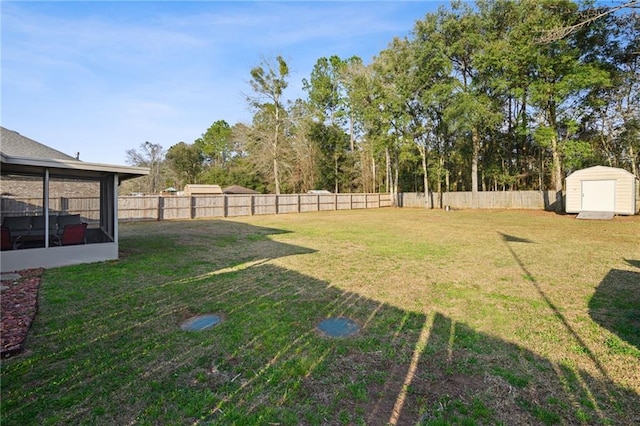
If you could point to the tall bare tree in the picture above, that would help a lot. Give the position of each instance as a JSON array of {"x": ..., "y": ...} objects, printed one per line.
[
  {"x": 149, "y": 155},
  {"x": 268, "y": 81}
]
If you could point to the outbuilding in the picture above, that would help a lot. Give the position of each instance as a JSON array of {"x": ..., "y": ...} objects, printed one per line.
[
  {"x": 196, "y": 189},
  {"x": 601, "y": 189}
]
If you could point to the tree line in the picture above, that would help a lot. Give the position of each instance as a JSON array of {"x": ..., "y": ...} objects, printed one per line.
[{"x": 498, "y": 95}]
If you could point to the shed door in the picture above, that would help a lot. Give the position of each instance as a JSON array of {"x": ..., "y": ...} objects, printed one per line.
[{"x": 598, "y": 195}]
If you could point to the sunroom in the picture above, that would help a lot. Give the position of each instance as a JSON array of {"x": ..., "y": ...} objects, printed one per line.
[{"x": 56, "y": 210}]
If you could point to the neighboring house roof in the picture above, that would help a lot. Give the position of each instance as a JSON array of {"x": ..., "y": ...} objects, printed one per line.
[
  {"x": 21, "y": 155},
  {"x": 237, "y": 189},
  {"x": 15, "y": 145}
]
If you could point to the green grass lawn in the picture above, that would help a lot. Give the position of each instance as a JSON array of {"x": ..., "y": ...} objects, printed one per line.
[{"x": 467, "y": 317}]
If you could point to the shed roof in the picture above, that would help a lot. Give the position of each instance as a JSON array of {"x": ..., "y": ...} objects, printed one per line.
[
  {"x": 237, "y": 189},
  {"x": 600, "y": 169},
  {"x": 194, "y": 188},
  {"x": 20, "y": 154}
]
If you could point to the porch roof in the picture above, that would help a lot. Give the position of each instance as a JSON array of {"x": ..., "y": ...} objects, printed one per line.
[{"x": 21, "y": 155}]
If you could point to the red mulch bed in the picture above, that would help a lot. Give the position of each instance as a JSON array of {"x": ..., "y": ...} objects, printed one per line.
[{"x": 19, "y": 303}]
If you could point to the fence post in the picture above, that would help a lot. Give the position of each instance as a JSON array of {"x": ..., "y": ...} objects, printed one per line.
[
  {"x": 160, "y": 207},
  {"x": 64, "y": 205},
  {"x": 251, "y": 204},
  {"x": 225, "y": 205},
  {"x": 299, "y": 203},
  {"x": 276, "y": 203},
  {"x": 192, "y": 203}
]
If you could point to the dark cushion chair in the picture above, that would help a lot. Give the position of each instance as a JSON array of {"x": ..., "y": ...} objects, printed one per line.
[
  {"x": 8, "y": 243},
  {"x": 19, "y": 225},
  {"x": 71, "y": 235}
]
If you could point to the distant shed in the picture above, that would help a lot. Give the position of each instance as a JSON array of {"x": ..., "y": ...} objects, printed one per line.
[
  {"x": 601, "y": 189},
  {"x": 237, "y": 189},
  {"x": 194, "y": 189}
]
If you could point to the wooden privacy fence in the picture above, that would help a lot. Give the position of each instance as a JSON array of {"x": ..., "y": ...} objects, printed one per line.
[
  {"x": 156, "y": 207},
  {"x": 88, "y": 207},
  {"x": 131, "y": 208},
  {"x": 547, "y": 200}
]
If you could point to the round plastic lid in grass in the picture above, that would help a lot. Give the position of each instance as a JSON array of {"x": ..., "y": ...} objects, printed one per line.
[
  {"x": 338, "y": 327},
  {"x": 201, "y": 322}
]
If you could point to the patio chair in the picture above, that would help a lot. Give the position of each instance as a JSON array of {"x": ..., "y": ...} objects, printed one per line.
[
  {"x": 7, "y": 242},
  {"x": 71, "y": 235},
  {"x": 67, "y": 219},
  {"x": 19, "y": 225}
]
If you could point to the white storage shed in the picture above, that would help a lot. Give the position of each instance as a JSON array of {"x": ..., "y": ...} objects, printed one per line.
[{"x": 601, "y": 189}]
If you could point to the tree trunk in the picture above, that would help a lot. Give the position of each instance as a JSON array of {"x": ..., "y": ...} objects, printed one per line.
[
  {"x": 634, "y": 165},
  {"x": 556, "y": 166},
  {"x": 447, "y": 180},
  {"x": 351, "y": 137},
  {"x": 395, "y": 184},
  {"x": 335, "y": 171},
  {"x": 274, "y": 147},
  {"x": 439, "y": 186},
  {"x": 541, "y": 174},
  {"x": 423, "y": 155},
  {"x": 556, "y": 171},
  {"x": 475, "y": 139},
  {"x": 388, "y": 177},
  {"x": 373, "y": 174},
  {"x": 275, "y": 174}
]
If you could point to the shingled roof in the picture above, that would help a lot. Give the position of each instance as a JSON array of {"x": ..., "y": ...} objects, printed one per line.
[
  {"x": 21, "y": 155},
  {"x": 14, "y": 144},
  {"x": 237, "y": 189}
]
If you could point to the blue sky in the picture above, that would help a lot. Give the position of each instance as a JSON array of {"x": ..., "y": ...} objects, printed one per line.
[{"x": 100, "y": 78}]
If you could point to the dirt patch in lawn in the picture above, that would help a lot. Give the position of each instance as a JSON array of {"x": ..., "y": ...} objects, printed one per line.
[{"x": 19, "y": 306}]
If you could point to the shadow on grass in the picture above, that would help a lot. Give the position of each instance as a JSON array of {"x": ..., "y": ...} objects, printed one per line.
[
  {"x": 635, "y": 263},
  {"x": 616, "y": 306},
  {"x": 555, "y": 203},
  {"x": 119, "y": 357},
  {"x": 513, "y": 239},
  {"x": 556, "y": 312}
]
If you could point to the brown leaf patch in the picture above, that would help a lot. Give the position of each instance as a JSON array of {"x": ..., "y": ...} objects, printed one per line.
[{"x": 19, "y": 306}]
